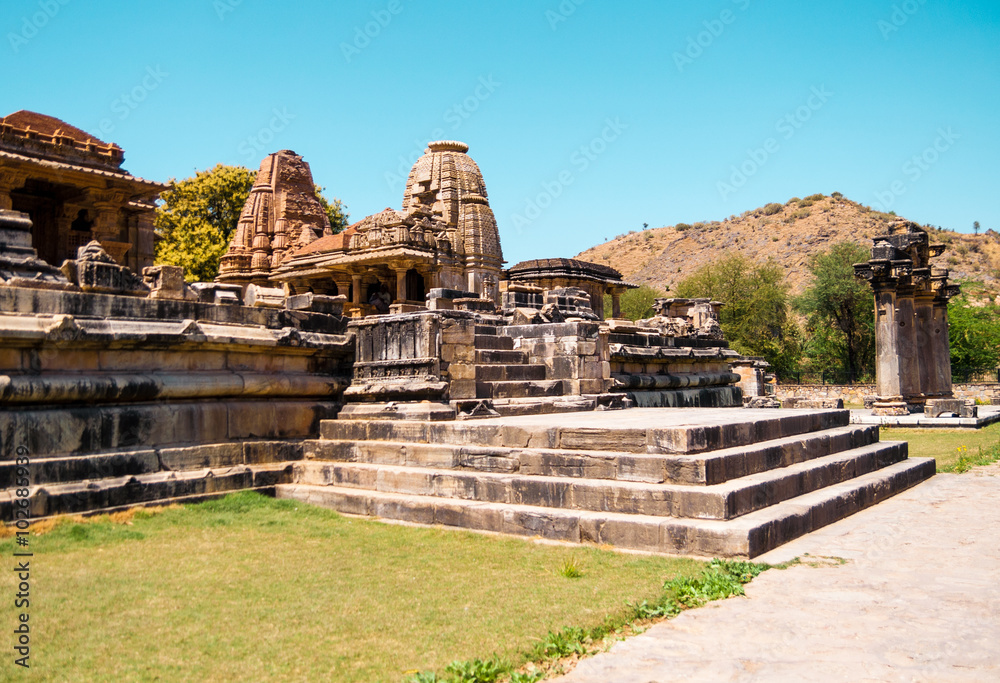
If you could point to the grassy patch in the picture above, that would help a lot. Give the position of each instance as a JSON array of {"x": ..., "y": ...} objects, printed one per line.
[
  {"x": 251, "y": 588},
  {"x": 956, "y": 450},
  {"x": 720, "y": 579}
]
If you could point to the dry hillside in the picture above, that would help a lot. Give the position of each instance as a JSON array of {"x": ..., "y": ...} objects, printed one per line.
[{"x": 789, "y": 233}]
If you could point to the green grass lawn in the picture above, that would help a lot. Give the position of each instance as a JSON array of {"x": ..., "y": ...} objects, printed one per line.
[
  {"x": 954, "y": 449},
  {"x": 251, "y": 588}
]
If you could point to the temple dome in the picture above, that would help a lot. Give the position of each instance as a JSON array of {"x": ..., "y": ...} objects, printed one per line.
[{"x": 447, "y": 184}]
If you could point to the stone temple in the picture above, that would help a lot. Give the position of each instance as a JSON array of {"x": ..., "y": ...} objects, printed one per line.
[{"x": 398, "y": 370}]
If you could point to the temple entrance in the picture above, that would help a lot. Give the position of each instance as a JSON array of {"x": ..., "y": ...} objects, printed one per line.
[
  {"x": 43, "y": 202},
  {"x": 414, "y": 286}
]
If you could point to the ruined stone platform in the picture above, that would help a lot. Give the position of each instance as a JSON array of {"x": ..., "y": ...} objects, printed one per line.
[
  {"x": 721, "y": 482},
  {"x": 987, "y": 416}
]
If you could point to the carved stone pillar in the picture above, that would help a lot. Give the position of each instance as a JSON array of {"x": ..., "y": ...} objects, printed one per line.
[
  {"x": 400, "y": 284},
  {"x": 10, "y": 180},
  {"x": 913, "y": 363},
  {"x": 616, "y": 302},
  {"x": 907, "y": 347},
  {"x": 939, "y": 339},
  {"x": 888, "y": 383},
  {"x": 923, "y": 303},
  {"x": 356, "y": 289}
]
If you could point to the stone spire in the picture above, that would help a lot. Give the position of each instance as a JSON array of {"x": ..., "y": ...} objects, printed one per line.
[
  {"x": 446, "y": 184},
  {"x": 281, "y": 213}
]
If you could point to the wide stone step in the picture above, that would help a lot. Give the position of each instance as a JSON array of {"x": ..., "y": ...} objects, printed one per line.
[
  {"x": 748, "y": 536},
  {"x": 508, "y": 357},
  {"x": 85, "y": 497},
  {"x": 631, "y": 431},
  {"x": 722, "y": 501},
  {"x": 709, "y": 468},
  {"x": 109, "y": 465},
  {"x": 487, "y": 330},
  {"x": 491, "y": 342},
  {"x": 520, "y": 389},
  {"x": 510, "y": 373}
]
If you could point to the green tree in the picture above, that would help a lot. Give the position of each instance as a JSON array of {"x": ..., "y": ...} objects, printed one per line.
[
  {"x": 973, "y": 330},
  {"x": 975, "y": 227},
  {"x": 199, "y": 215},
  {"x": 636, "y": 304},
  {"x": 840, "y": 313},
  {"x": 755, "y": 316}
]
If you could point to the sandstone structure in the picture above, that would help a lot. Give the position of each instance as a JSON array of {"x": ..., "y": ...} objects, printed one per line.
[
  {"x": 913, "y": 362},
  {"x": 445, "y": 236},
  {"x": 554, "y": 273},
  {"x": 74, "y": 189},
  {"x": 461, "y": 405},
  {"x": 281, "y": 215}
]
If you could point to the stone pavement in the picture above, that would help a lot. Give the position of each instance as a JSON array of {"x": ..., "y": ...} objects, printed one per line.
[{"x": 918, "y": 599}]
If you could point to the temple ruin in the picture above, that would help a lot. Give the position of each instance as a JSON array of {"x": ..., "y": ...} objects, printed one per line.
[
  {"x": 74, "y": 189},
  {"x": 913, "y": 360},
  {"x": 481, "y": 399}
]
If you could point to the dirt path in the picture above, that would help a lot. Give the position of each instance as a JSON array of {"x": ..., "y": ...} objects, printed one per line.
[{"x": 918, "y": 599}]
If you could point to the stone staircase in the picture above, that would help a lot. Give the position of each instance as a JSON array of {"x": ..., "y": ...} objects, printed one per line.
[
  {"x": 728, "y": 482},
  {"x": 505, "y": 373},
  {"x": 63, "y": 482}
]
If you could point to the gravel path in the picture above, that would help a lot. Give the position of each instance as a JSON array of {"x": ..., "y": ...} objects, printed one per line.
[{"x": 918, "y": 599}]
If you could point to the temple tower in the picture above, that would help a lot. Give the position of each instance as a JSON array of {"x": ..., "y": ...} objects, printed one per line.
[
  {"x": 281, "y": 214},
  {"x": 447, "y": 185}
]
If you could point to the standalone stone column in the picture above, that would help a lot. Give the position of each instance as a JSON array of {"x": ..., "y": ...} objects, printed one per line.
[
  {"x": 939, "y": 338},
  {"x": 925, "y": 333},
  {"x": 888, "y": 374},
  {"x": 906, "y": 345},
  {"x": 913, "y": 363}
]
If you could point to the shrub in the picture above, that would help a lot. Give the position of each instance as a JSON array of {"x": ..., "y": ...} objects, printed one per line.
[
  {"x": 793, "y": 200},
  {"x": 772, "y": 208},
  {"x": 815, "y": 197},
  {"x": 682, "y": 227},
  {"x": 837, "y": 195}
]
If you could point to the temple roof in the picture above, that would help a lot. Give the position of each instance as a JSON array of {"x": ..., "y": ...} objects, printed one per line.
[
  {"x": 555, "y": 267},
  {"x": 49, "y": 125},
  {"x": 40, "y": 136}
]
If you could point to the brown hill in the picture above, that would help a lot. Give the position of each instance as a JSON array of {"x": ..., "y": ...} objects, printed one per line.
[{"x": 789, "y": 233}]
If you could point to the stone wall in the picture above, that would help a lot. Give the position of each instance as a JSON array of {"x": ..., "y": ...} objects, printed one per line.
[
  {"x": 856, "y": 393},
  {"x": 86, "y": 373},
  {"x": 574, "y": 352}
]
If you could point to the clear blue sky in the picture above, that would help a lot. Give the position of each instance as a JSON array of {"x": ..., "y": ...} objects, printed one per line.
[{"x": 587, "y": 117}]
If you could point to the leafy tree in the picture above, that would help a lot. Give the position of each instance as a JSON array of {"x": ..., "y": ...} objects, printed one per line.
[
  {"x": 975, "y": 227},
  {"x": 755, "y": 316},
  {"x": 973, "y": 330},
  {"x": 636, "y": 304},
  {"x": 840, "y": 312},
  {"x": 199, "y": 215}
]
